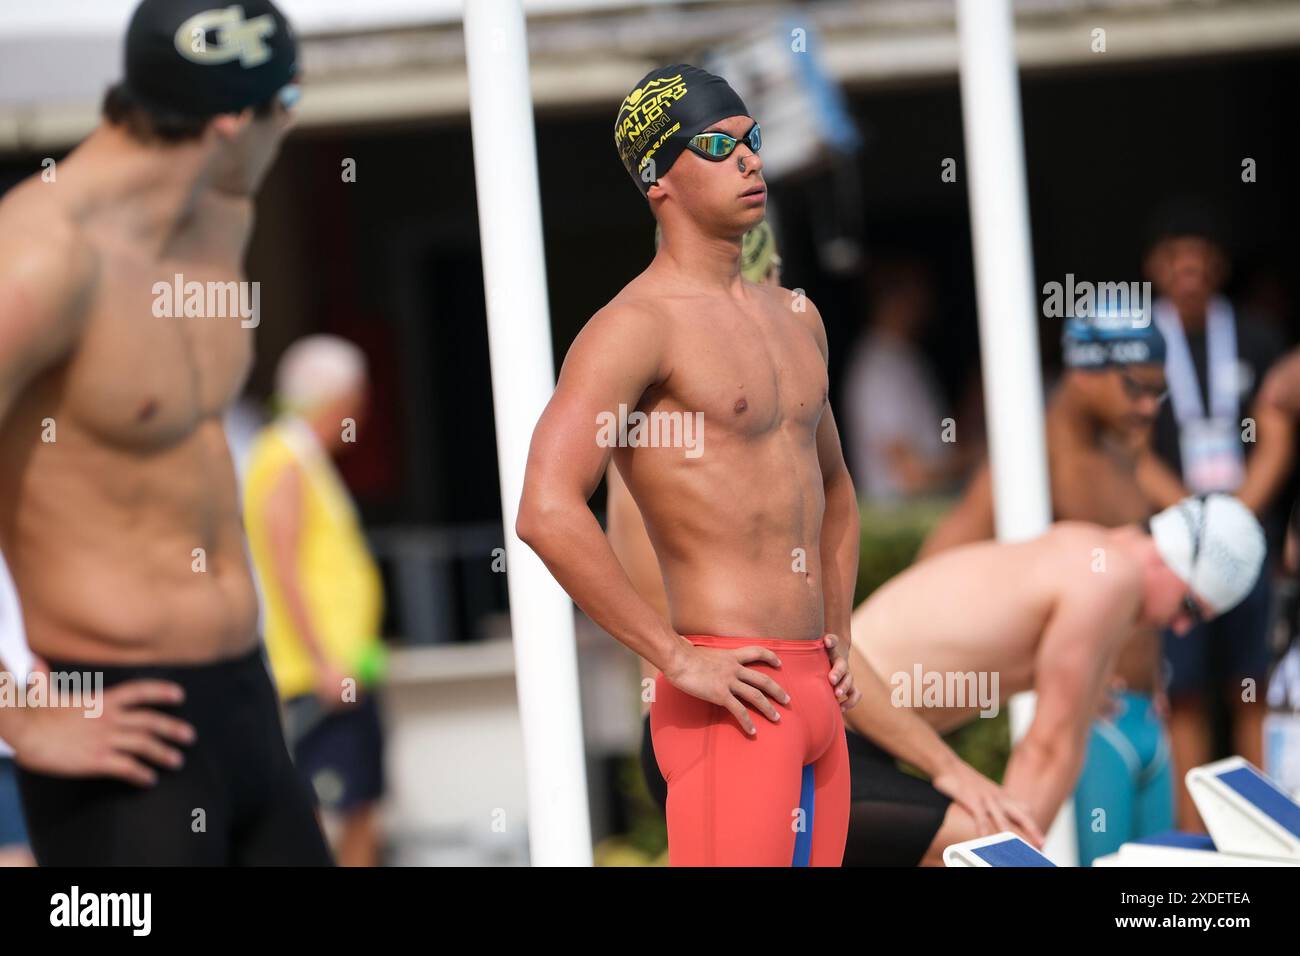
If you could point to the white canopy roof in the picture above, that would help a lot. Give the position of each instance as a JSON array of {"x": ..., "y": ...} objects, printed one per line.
[{"x": 385, "y": 61}]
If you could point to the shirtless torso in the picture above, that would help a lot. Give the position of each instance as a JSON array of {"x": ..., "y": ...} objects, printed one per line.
[
  {"x": 909, "y": 621},
  {"x": 1047, "y": 615},
  {"x": 1094, "y": 479},
  {"x": 114, "y": 468},
  {"x": 988, "y": 608},
  {"x": 729, "y": 526}
]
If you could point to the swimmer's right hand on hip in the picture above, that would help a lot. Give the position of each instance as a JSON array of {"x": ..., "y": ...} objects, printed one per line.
[
  {"x": 719, "y": 675},
  {"x": 122, "y": 740}
]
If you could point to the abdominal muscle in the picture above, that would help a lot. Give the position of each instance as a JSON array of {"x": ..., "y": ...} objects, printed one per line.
[
  {"x": 738, "y": 543},
  {"x": 126, "y": 557}
]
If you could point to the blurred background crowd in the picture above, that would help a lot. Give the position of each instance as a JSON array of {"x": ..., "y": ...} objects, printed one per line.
[{"x": 1135, "y": 155}]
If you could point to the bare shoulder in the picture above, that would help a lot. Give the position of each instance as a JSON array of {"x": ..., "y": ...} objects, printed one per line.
[
  {"x": 795, "y": 300},
  {"x": 34, "y": 207},
  {"x": 801, "y": 307},
  {"x": 47, "y": 266},
  {"x": 1089, "y": 561},
  {"x": 623, "y": 337},
  {"x": 629, "y": 320}
]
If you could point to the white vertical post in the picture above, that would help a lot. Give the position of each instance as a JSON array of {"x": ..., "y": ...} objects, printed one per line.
[
  {"x": 523, "y": 377},
  {"x": 1004, "y": 274},
  {"x": 1004, "y": 283}
]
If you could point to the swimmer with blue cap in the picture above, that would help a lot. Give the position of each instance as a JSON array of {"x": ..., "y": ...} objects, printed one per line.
[
  {"x": 1098, "y": 421},
  {"x": 1117, "y": 365}
]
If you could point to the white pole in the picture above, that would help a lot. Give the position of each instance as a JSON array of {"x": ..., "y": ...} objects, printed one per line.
[
  {"x": 523, "y": 377},
  {"x": 1004, "y": 283},
  {"x": 1004, "y": 274}
]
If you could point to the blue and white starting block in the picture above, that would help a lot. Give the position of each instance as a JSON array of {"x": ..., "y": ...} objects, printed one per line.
[
  {"x": 1001, "y": 849},
  {"x": 1252, "y": 822}
]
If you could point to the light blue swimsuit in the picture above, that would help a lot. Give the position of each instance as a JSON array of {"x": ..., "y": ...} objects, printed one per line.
[{"x": 1127, "y": 774}]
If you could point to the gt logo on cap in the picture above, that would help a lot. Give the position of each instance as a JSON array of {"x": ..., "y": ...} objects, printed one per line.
[{"x": 238, "y": 39}]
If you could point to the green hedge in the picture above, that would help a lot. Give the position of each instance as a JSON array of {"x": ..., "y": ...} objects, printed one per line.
[{"x": 890, "y": 538}]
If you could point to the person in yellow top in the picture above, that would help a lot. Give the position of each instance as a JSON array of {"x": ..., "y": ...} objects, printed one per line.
[{"x": 322, "y": 597}]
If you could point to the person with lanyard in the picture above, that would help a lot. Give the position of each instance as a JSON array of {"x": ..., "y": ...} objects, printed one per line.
[
  {"x": 1213, "y": 435},
  {"x": 1098, "y": 421}
]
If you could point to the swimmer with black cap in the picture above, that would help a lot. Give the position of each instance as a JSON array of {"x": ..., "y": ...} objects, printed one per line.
[
  {"x": 743, "y": 490},
  {"x": 760, "y": 262},
  {"x": 124, "y": 534}
]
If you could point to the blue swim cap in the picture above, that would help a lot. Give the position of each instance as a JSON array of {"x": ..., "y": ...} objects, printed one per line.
[{"x": 1103, "y": 341}]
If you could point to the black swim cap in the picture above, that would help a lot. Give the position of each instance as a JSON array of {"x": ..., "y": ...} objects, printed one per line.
[
  {"x": 658, "y": 118},
  {"x": 199, "y": 58}
]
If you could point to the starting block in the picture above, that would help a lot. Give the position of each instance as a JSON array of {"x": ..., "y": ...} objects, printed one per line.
[
  {"x": 1245, "y": 812},
  {"x": 1252, "y": 822},
  {"x": 1001, "y": 849},
  {"x": 1181, "y": 849}
]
